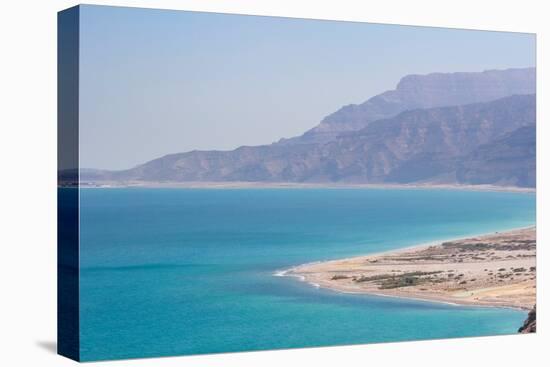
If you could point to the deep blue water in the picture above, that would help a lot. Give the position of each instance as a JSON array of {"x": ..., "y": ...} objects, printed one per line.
[{"x": 189, "y": 271}]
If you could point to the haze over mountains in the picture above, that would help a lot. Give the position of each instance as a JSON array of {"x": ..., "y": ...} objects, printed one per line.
[
  {"x": 425, "y": 91},
  {"x": 445, "y": 128}
]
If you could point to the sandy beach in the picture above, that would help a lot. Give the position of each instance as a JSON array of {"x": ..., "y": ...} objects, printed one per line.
[{"x": 497, "y": 269}]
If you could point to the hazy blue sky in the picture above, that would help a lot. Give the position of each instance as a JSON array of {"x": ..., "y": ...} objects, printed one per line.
[{"x": 155, "y": 82}]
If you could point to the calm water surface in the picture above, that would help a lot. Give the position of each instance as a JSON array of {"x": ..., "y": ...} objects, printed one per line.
[{"x": 189, "y": 271}]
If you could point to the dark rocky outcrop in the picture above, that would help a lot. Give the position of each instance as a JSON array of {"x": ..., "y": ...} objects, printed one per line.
[{"x": 530, "y": 324}]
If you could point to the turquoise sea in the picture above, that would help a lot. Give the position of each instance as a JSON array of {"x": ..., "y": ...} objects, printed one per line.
[{"x": 191, "y": 271}]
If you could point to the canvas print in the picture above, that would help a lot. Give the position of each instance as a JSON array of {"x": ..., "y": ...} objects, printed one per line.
[{"x": 233, "y": 183}]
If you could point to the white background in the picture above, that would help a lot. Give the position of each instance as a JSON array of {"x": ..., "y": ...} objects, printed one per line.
[{"x": 28, "y": 177}]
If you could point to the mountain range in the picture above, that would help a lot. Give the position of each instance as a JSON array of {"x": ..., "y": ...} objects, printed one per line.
[{"x": 440, "y": 128}]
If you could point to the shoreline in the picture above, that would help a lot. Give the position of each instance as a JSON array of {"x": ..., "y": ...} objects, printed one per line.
[
  {"x": 286, "y": 185},
  {"x": 418, "y": 246},
  {"x": 335, "y": 275}
]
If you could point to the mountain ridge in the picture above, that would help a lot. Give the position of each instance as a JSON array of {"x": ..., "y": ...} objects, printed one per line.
[
  {"x": 414, "y": 145},
  {"x": 423, "y": 91}
]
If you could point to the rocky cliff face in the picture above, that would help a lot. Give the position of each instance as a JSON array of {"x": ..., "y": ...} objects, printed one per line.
[
  {"x": 425, "y": 131},
  {"x": 507, "y": 161},
  {"x": 424, "y": 91},
  {"x": 530, "y": 324},
  {"x": 428, "y": 145}
]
